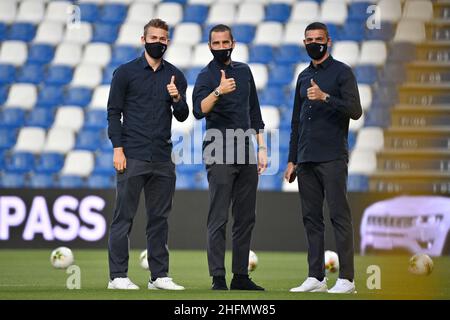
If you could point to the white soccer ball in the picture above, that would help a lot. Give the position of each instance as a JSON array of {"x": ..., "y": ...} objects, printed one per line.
[
  {"x": 143, "y": 261},
  {"x": 420, "y": 264},
  {"x": 331, "y": 262},
  {"x": 252, "y": 261},
  {"x": 61, "y": 258}
]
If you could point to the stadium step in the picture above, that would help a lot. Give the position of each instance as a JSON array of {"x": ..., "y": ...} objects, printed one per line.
[
  {"x": 416, "y": 137},
  {"x": 428, "y": 72},
  {"x": 441, "y": 9},
  {"x": 433, "y": 51},
  {"x": 420, "y": 116},
  {"x": 412, "y": 159},
  {"x": 424, "y": 94},
  {"x": 438, "y": 29}
]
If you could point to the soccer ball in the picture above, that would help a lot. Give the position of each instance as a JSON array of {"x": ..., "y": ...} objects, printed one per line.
[
  {"x": 420, "y": 264},
  {"x": 143, "y": 260},
  {"x": 252, "y": 261},
  {"x": 61, "y": 257},
  {"x": 331, "y": 262}
]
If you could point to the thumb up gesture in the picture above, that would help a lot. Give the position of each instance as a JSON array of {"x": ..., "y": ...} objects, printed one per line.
[
  {"x": 314, "y": 92},
  {"x": 226, "y": 85},
  {"x": 173, "y": 91}
]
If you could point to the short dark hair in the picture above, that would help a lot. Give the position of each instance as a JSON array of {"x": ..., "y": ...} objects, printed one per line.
[
  {"x": 220, "y": 28},
  {"x": 317, "y": 26},
  {"x": 156, "y": 23}
]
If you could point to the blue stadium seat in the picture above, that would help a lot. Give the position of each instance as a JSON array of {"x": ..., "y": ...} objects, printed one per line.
[
  {"x": 95, "y": 119},
  {"x": 108, "y": 73},
  {"x": 271, "y": 96},
  {"x": 12, "y": 118},
  {"x": 191, "y": 75},
  {"x": 366, "y": 74},
  {"x": 122, "y": 54},
  {"x": 3, "y": 93},
  {"x": 392, "y": 73},
  {"x": 351, "y": 140},
  {"x": 377, "y": 117},
  {"x": 384, "y": 33},
  {"x": 20, "y": 162},
  {"x": 358, "y": 11},
  {"x": 12, "y": 180},
  {"x": 105, "y": 144},
  {"x": 113, "y": 13},
  {"x": 50, "y": 96},
  {"x": 279, "y": 12},
  {"x": 280, "y": 75},
  {"x": 70, "y": 182},
  {"x": 7, "y": 74},
  {"x": 261, "y": 54},
  {"x": 104, "y": 163},
  {"x": 7, "y": 138},
  {"x": 357, "y": 183},
  {"x": 244, "y": 33},
  {"x": 78, "y": 96},
  {"x": 333, "y": 31},
  {"x": 49, "y": 163},
  {"x": 88, "y": 140},
  {"x": 105, "y": 33},
  {"x": 59, "y": 75},
  {"x": 40, "y": 117},
  {"x": 402, "y": 52},
  {"x": 21, "y": 32},
  {"x": 196, "y": 13},
  {"x": 31, "y": 73},
  {"x": 99, "y": 181},
  {"x": 41, "y": 181},
  {"x": 205, "y": 34},
  {"x": 290, "y": 53},
  {"x": 40, "y": 54},
  {"x": 386, "y": 94},
  {"x": 353, "y": 31},
  {"x": 89, "y": 12},
  {"x": 182, "y": 2},
  {"x": 270, "y": 182},
  {"x": 3, "y": 29}
]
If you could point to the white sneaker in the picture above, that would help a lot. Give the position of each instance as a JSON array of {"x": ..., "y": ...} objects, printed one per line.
[
  {"x": 151, "y": 286},
  {"x": 312, "y": 285},
  {"x": 122, "y": 284},
  {"x": 343, "y": 286},
  {"x": 164, "y": 284}
]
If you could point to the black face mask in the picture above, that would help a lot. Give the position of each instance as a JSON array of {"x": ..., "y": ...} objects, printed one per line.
[
  {"x": 155, "y": 49},
  {"x": 316, "y": 50},
  {"x": 222, "y": 55}
]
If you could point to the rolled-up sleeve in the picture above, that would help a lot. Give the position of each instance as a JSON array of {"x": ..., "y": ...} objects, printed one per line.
[
  {"x": 202, "y": 89},
  {"x": 116, "y": 102}
]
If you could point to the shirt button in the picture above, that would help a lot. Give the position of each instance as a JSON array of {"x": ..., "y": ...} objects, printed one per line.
[
  {"x": 310, "y": 107},
  {"x": 309, "y": 118}
]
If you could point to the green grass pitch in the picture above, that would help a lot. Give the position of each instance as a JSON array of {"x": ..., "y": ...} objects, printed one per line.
[{"x": 27, "y": 274}]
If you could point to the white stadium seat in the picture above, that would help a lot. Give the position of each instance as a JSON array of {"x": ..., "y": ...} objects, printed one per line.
[
  {"x": 100, "y": 98},
  {"x": 373, "y": 52},
  {"x": 30, "y": 139},
  {"x": 221, "y": 13},
  {"x": 420, "y": 10},
  {"x": 240, "y": 52},
  {"x": 305, "y": 11},
  {"x": 140, "y": 12},
  {"x": 13, "y": 52},
  {"x": 67, "y": 54},
  {"x": 294, "y": 33},
  {"x": 8, "y": 11},
  {"x": 271, "y": 117},
  {"x": 260, "y": 74},
  {"x": 370, "y": 138},
  {"x": 22, "y": 95},
  {"x": 130, "y": 34},
  {"x": 346, "y": 51},
  {"x": 49, "y": 33},
  {"x": 205, "y": 2},
  {"x": 179, "y": 55},
  {"x": 69, "y": 117},
  {"x": 362, "y": 162},
  {"x": 390, "y": 10},
  {"x": 87, "y": 75},
  {"x": 410, "y": 31},
  {"x": 58, "y": 11},
  {"x": 80, "y": 33},
  {"x": 365, "y": 95},
  {"x": 78, "y": 163},
  {"x": 59, "y": 140},
  {"x": 250, "y": 13},
  {"x": 97, "y": 54},
  {"x": 30, "y": 11},
  {"x": 298, "y": 69},
  {"x": 355, "y": 125},
  {"x": 333, "y": 12},
  {"x": 170, "y": 12},
  {"x": 187, "y": 33},
  {"x": 270, "y": 33},
  {"x": 202, "y": 55}
]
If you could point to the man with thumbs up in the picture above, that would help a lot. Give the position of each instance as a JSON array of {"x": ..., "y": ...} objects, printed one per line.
[
  {"x": 225, "y": 94},
  {"x": 145, "y": 93},
  {"x": 326, "y": 98}
]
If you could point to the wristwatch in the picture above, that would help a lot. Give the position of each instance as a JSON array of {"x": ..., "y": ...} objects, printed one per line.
[
  {"x": 217, "y": 92},
  {"x": 327, "y": 98}
]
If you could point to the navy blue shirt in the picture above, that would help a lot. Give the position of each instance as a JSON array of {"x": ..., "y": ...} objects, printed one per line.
[
  {"x": 319, "y": 129},
  {"x": 140, "y": 95},
  {"x": 239, "y": 109}
]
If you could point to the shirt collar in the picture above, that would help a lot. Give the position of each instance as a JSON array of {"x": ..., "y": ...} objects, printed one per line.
[
  {"x": 221, "y": 65},
  {"x": 325, "y": 64},
  {"x": 145, "y": 64}
]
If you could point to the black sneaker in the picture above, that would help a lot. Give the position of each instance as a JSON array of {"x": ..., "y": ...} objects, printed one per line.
[
  {"x": 219, "y": 283},
  {"x": 244, "y": 283}
]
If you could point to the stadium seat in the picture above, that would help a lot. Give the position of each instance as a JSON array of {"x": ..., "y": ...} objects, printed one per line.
[
  {"x": 355, "y": 125},
  {"x": 280, "y": 75},
  {"x": 384, "y": 33},
  {"x": 20, "y": 162},
  {"x": 104, "y": 32},
  {"x": 7, "y": 138},
  {"x": 32, "y": 73},
  {"x": 78, "y": 163},
  {"x": 289, "y": 54},
  {"x": 357, "y": 11},
  {"x": 240, "y": 53},
  {"x": 12, "y": 118},
  {"x": 353, "y": 31},
  {"x": 13, "y": 52},
  {"x": 50, "y": 96},
  {"x": 21, "y": 31},
  {"x": 59, "y": 140},
  {"x": 41, "y": 181},
  {"x": 130, "y": 34},
  {"x": 377, "y": 117},
  {"x": 113, "y": 13},
  {"x": 70, "y": 182},
  {"x": 370, "y": 138},
  {"x": 244, "y": 33},
  {"x": 8, "y": 11},
  {"x": 95, "y": 119},
  {"x": 100, "y": 97},
  {"x": 30, "y": 139},
  {"x": 40, "y": 54},
  {"x": 271, "y": 117},
  {"x": 392, "y": 73},
  {"x": 48, "y": 163},
  {"x": 90, "y": 12},
  {"x": 390, "y": 10},
  {"x": 221, "y": 13},
  {"x": 68, "y": 54},
  {"x": 366, "y": 74},
  {"x": 191, "y": 74},
  {"x": 419, "y": 10},
  {"x": 108, "y": 74},
  {"x": 260, "y": 75},
  {"x": 187, "y": 33},
  {"x": 21, "y": 95},
  {"x": 49, "y": 32},
  {"x": 305, "y": 11},
  {"x": 122, "y": 54},
  {"x": 88, "y": 139},
  {"x": 294, "y": 33},
  {"x": 278, "y": 12},
  {"x": 69, "y": 117},
  {"x": 172, "y": 13},
  {"x": 98, "y": 54},
  {"x": 365, "y": 95},
  {"x": 104, "y": 163},
  {"x": 101, "y": 182},
  {"x": 7, "y": 74},
  {"x": 373, "y": 52},
  {"x": 78, "y": 96},
  {"x": 333, "y": 12},
  {"x": 250, "y": 13},
  {"x": 269, "y": 33},
  {"x": 196, "y": 13},
  {"x": 180, "y": 55},
  {"x": 202, "y": 55},
  {"x": 139, "y": 12},
  {"x": 261, "y": 54},
  {"x": 271, "y": 96},
  {"x": 30, "y": 11},
  {"x": 58, "y": 11},
  {"x": 346, "y": 51},
  {"x": 58, "y": 75},
  {"x": 3, "y": 29},
  {"x": 80, "y": 34},
  {"x": 410, "y": 31},
  {"x": 87, "y": 75},
  {"x": 39, "y": 117},
  {"x": 362, "y": 162},
  {"x": 12, "y": 180}
]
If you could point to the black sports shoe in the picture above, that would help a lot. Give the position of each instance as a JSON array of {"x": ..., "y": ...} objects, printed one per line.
[
  {"x": 219, "y": 283},
  {"x": 243, "y": 282}
]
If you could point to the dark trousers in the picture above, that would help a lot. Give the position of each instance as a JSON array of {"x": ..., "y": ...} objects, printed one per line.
[
  {"x": 328, "y": 180},
  {"x": 158, "y": 181},
  {"x": 236, "y": 185}
]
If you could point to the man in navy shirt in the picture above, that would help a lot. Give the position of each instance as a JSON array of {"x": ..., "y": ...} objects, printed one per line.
[
  {"x": 144, "y": 93},
  {"x": 225, "y": 94},
  {"x": 326, "y": 98}
]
